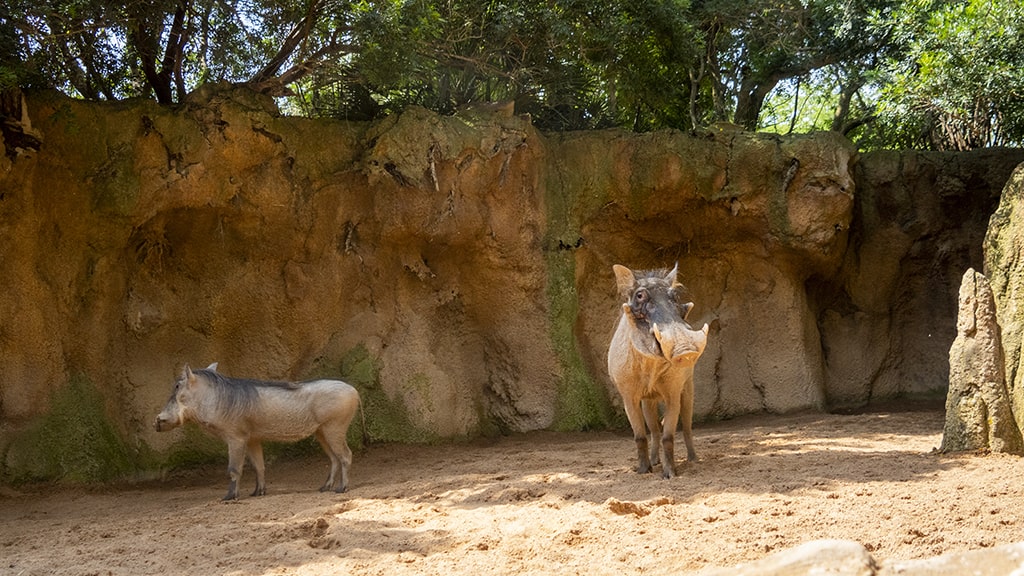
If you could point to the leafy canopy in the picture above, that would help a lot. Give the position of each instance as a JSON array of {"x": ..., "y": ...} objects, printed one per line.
[{"x": 908, "y": 73}]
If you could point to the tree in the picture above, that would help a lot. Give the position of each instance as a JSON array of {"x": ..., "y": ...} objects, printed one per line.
[
  {"x": 100, "y": 49},
  {"x": 921, "y": 73},
  {"x": 751, "y": 46},
  {"x": 962, "y": 85}
]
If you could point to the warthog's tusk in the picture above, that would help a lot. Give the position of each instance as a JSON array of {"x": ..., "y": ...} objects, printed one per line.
[{"x": 667, "y": 348}]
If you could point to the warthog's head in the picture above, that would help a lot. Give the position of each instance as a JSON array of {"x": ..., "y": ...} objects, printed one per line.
[
  {"x": 181, "y": 400},
  {"x": 656, "y": 310}
]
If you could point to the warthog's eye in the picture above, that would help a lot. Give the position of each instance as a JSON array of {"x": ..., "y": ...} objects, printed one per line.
[
  {"x": 639, "y": 303},
  {"x": 640, "y": 296}
]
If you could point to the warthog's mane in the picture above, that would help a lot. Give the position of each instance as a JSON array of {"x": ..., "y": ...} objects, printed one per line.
[
  {"x": 658, "y": 274},
  {"x": 238, "y": 395}
]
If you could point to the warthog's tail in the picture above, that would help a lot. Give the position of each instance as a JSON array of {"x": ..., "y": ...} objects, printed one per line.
[{"x": 362, "y": 420}]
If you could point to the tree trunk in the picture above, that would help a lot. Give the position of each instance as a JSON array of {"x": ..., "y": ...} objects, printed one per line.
[
  {"x": 750, "y": 100},
  {"x": 147, "y": 44}
]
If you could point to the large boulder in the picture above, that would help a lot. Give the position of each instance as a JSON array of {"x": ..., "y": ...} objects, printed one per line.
[
  {"x": 978, "y": 415},
  {"x": 1004, "y": 267},
  {"x": 846, "y": 558},
  {"x": 840, "y": 557}
]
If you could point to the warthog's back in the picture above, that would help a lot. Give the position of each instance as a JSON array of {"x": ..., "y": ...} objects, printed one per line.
[{"x": 287, "y": 413}]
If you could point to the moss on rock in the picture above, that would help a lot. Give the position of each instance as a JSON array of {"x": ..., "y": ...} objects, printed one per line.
[
  {"x": 581, "y": 404},
  {"x": 74, "y": 441},
  {"x": 386, "y": 419}
]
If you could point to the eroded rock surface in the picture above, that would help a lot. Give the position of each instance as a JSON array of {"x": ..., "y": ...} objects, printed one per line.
[
  {"x": 458, "y": 269},
  {"x": 978, "y": 415},
  {"x": 1004, "y": 268}
]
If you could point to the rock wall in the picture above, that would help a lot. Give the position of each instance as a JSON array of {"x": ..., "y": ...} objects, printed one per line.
[
  {"x": 457, "y": 270},
  {"x": 1004, "y": 268},
  {"x": 888, "y": 317}
]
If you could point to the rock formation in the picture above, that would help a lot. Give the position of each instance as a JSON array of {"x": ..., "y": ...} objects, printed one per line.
[
  {"x": 1004, "y": 268},
  {"x": 978, "y": 415},
  {"x": 888, "y": 318},
  {"x": 852, "y": 559},
  {"x": 456, "y": 269}
]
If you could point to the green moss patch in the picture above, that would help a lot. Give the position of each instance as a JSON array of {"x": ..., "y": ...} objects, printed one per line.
[
  {"x": 74, "y": 442},
  {"x": 582, "y": 403},
  {"x": 385, "y": 419},
  {"x": 196, "y": 447}
]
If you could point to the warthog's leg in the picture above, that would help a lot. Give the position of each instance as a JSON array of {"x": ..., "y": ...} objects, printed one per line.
[
  {"x": 636, "y": 421},
  {"x": 332, "y": 440},
  {"x": 329, "y": 483},
  {"x": 686, "y": 414},
  {"x": 346, "y": 461},
  {"x": 650, "y": 409},
  {"x": 236, "y": 462},
  {"x": 255, "y": 450},
  {"x": 668, "y": 439}
]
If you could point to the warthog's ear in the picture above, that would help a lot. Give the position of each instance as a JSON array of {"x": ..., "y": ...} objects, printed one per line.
[
  {"x": 625, "y": 279},
  {"x": 671, "y": 276},
  {"x": 188, "y": 375},
  {"x": 212, "y": 367}
]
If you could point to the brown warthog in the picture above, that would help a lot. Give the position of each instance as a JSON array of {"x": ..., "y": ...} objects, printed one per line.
[
  {"x": 244, "y": 413},
  {"x": 651, "y": 359}
]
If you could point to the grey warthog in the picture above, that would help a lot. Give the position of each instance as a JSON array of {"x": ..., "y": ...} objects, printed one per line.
[
  {"x": 651, "y": 359},
  {"x": 244, "y": 413}
]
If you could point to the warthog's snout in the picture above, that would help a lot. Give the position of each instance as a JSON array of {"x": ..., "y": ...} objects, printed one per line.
[
  {"x": 164, "y": 423},
  {"x": 680, "y": 344}
]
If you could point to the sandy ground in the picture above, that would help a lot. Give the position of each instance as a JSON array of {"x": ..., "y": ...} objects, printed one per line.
[{"x": 541, "y": 503}]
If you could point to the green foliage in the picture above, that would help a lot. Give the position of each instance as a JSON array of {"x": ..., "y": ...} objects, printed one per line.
[
  {"x": 74, "y": 441},
  {"x": 909, "y": 73},
  {"x": 961, "y": 83}
]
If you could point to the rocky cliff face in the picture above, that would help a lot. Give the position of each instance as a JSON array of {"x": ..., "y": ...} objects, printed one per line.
[
  {"x": 888, "y": 317},
  {"x": 1005, "y": 270},
  {"x": 457, "y": 270}
]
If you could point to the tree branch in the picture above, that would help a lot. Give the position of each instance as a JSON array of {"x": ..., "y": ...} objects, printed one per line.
[
  {"x": 296, "y": 36},
  {"x": 277, "y": 85}
]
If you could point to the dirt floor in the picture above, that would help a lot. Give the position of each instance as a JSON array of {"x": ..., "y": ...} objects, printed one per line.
[{"x": 541, "y": 503}]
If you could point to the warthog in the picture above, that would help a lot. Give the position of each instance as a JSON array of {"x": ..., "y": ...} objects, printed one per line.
[
  {"x": 651, "y": 360},
  {"x": 244, "y": 413}
]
